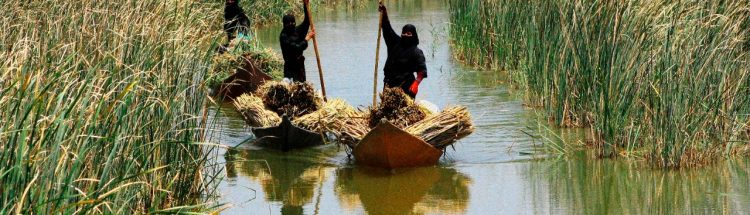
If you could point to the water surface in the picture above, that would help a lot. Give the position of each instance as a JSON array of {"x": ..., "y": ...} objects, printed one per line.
[{"x": 496, "y": 170}]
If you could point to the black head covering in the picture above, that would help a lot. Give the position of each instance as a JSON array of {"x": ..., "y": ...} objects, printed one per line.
[
  {"x": 289, "y": 22},
  {"x": 232, "y": 10},
  {"x": 410, "y": 41}
]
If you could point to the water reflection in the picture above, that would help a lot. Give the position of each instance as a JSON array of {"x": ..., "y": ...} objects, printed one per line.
[
  {"x": 410, "y": 191},
  {"x": 580, "y": 185},
  {"x": 289, "y": 178}
]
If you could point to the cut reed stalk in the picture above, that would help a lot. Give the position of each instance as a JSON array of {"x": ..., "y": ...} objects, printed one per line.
[
  {"x": 445, "y": 128},
  {"x": 294, "y": 100},
  {"x": 396, "y": 107},
  {"x": 331, "y": 117},
  {"x": 254, "y": 112}
]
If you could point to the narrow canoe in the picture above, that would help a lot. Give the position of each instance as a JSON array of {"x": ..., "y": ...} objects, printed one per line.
[
  {"x": 286, "y": 136},
  {"x": 387, "y": 146}
]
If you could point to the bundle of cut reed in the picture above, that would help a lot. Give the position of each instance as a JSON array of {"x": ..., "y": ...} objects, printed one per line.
[
  {"x": 443, "y": 129},
  {"x": 294, "y": 100},
  {"x": 330, "y": 117},
  {"x": 352, "y": 131},
  {"x": 225, "y": 65},
  {"x": 397, "y": 107},
  {"x": 267, "y": 61},
  {"x": 254, "y": 112}
]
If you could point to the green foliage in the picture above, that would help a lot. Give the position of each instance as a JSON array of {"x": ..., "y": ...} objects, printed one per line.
[
  {"x": 101, "y": 106},
  {"x": 664, "y": 80},
  {"x": 269, "y": 62},
  {"x": 225, "y": 65},
  {"x": 222, "y": 66}
]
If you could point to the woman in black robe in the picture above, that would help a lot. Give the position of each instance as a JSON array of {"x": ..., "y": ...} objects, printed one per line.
[
  {"x": 404, "y": 57},
  {"x": 235, "y": 19},
  {"x": 293, "y": 41}
]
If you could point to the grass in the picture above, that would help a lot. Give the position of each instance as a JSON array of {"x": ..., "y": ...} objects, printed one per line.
[
  {"x": 101, "y": 106},
  {"x": 661, "y": 80}
]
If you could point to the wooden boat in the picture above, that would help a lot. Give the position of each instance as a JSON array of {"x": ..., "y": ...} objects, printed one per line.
[
  {"x": 245, "y": 80},
  {"x": 286, "y": 136},
  {"x": 387, "y": 146}
]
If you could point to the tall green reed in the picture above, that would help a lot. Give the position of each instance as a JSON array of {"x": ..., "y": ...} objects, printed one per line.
[
  {"x": 663, "y": 80},
  {"x": 102, "y": 106}
]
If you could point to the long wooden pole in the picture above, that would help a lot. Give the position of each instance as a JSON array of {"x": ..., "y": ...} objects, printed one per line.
[
  {"x": 317, "y": 54},
  {"x": 377, "y": 60}
]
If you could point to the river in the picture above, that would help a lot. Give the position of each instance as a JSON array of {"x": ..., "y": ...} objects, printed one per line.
[{"x": 499, "y": 169}]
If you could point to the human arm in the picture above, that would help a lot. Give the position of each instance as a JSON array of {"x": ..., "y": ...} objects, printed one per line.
[
  {"x": 294, "y": 44},
  {"x": 421, "y": 71},
  {"x": 390, "y": 36},
  {"x": 304, "y": 27}
]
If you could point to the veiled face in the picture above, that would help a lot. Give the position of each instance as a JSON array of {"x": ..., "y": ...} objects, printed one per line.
[
  {"x": 231, "y": 2},
  {"x": 289, "y": 21},
  {"x": 290, "y": 24},
  {"x": 406, "y": 34}
]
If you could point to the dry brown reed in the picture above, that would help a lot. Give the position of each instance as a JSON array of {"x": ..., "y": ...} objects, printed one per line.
[
  {"x": 254, "y": 112},
  {"x": 330, "y": 117},
  {"x": 445, "y": 128},
  {"x": 294, "y": 100},
  {"x": 396, "y": 107}
]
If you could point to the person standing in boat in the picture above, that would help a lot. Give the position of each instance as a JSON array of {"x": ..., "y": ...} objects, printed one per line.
[
  {"x": 293, "y": 41},
  {"x": 404, "y": 57},
  {"x": 235, "y": 21}
]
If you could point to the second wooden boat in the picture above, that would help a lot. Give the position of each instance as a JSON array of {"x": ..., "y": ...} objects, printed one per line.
[{"x": 286, "y": 136}]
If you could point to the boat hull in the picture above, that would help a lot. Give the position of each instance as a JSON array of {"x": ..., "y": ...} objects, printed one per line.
[
  {"x": 245, "y": 80},
  {"x": 286, "y": 136},
  {"x": 387, "y": 146}
]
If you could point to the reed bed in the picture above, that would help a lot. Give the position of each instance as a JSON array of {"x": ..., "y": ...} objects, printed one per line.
[
  {"x": 254, "y": 111},
  {"x": 101, "y": 106},
  {"x": 661, "y": 80}
]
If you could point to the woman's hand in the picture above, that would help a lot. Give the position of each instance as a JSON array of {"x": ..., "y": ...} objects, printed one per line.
[{"x": 310, "y": 35}]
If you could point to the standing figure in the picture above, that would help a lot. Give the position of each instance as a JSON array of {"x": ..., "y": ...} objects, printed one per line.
[
  {"x": 404, "y": 57},
  {"x": 235, "y": 20},
  {"x": 293, "y": 41}
]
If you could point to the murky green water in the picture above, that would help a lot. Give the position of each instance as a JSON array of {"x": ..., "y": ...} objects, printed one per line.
[{"x": 493, "y": 171}]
